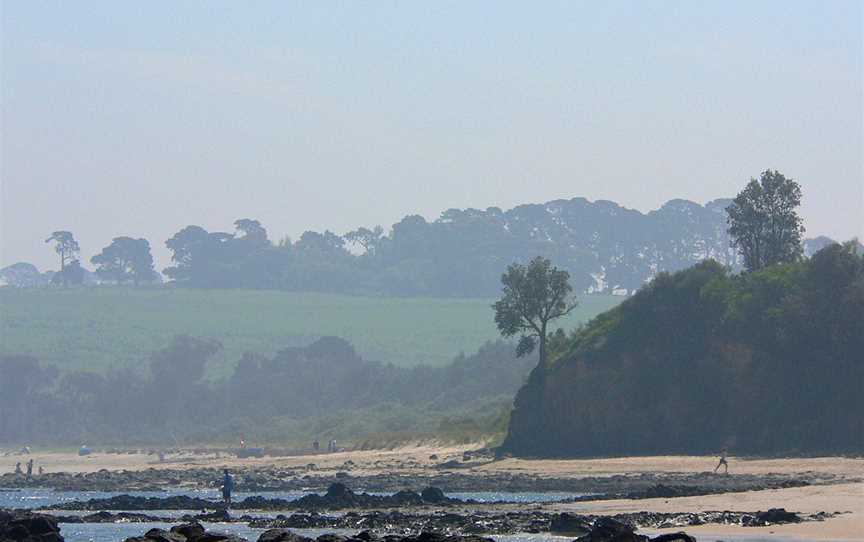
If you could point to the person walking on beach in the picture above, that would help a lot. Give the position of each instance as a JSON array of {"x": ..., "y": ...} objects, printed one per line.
[
  {"x": 722, "y": 462},
  {"x": 227, "y": 487}
]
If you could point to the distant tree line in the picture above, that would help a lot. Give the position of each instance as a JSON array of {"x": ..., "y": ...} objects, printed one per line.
[
  {"x": 604, "y": 247},
  {"x": 325, "y": 389}
]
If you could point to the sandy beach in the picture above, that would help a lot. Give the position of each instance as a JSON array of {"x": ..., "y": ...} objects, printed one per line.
[{"x": 846, "y": 495}]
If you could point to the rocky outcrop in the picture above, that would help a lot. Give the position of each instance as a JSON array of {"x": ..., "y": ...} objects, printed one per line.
[
  {"x": 603, "y": 530},
  {"x": 189, "y": 532},
  {"x": 569, "y": 525},
  {"x": 772, "y": 516},
  {"x": 28, "y": 527},
  {"x": 606, "y": 529},
  {"x": 337, "y": 497}
]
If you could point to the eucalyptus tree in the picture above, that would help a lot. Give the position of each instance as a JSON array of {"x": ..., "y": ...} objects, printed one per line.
[
  {"x": 533, "y": 296},
  {"x": 764, "y": 223}
]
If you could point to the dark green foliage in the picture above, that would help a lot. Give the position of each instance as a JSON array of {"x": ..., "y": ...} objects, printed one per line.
[
  {"x": 65, "y": 245},
  {"x": 72, "y": 274},
  {"x": 125, "y": 260},
  {"x": 324, "y": 390},
  {"x": 764, "y": 223},
  {"x": 766, "y": 362},
  {"x": 603, "y": 246},
  {"x": 533, "y": 295}
]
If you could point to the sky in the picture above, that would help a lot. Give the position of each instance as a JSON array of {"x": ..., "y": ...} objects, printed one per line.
[{"x": 139, "y": 118}]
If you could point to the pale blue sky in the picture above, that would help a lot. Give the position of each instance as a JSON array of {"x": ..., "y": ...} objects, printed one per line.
[{"x": 122, "y": 118}]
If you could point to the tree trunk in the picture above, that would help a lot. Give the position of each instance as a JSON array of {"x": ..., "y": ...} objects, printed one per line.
[{"x": 542, "y": 349}]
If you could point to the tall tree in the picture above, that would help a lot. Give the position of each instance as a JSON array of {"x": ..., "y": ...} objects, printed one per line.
[
  {"x": 72, "y": 273},
  {"x": 764, "y": 223},
  {"x": 65, "y": 246},
  {"x": 252, "y": 230},
  {"x": 126, "y": 259},
  {"x": 366, "y": 238},
  {"x": 533, "y": 295}
]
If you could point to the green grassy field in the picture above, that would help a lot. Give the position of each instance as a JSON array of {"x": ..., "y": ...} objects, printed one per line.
[{"x": 97, "y": 328}]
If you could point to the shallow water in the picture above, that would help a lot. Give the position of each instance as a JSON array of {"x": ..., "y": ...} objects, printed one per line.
[
  {"x": 117, "y": 532},
  {"x": 36, "y": 498}
]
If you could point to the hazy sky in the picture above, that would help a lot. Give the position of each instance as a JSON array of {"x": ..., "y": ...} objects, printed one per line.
[{"x": 138, "y": 118}]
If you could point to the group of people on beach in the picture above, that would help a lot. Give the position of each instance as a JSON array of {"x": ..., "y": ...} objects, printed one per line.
[
  {"x": 331, "y": 446},
  {"x": 29, "y": 473}
]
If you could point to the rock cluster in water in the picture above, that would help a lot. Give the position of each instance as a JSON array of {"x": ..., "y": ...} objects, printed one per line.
[
  {"x": 20, "y": 526},
  {"x": 261, "y": 479},
  {"x": 601, "y": 530},
  {"x": 338, "y": 497},
  {"x": 517, "y": 521}
]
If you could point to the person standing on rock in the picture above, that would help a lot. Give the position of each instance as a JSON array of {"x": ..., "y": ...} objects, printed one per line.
[
  {"x": 722, "y": 462},
  {"x": 227, "y": 487},
  {"x": 30, "y": 468}
]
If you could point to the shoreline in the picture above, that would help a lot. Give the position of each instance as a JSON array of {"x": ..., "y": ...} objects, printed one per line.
[{"x": 833, "y": 484}]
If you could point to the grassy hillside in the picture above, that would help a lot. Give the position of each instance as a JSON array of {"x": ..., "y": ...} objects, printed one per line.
[{"x": 96, "y": 328}]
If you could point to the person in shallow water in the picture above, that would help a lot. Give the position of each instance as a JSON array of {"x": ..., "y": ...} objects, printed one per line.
[
  {"x": 722, "y": 463},
  {"x": 30, "y": 468},
  {"x": 227, "y": 487},
  {"x": 18, "y": 468}
]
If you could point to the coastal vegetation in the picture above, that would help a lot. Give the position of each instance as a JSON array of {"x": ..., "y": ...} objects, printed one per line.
[
  {"x": 321, "y": 391},
  {"x": 703, "y": 359}
]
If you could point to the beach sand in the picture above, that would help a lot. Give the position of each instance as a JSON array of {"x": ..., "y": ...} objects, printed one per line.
[{"x": 847, "y": 496}]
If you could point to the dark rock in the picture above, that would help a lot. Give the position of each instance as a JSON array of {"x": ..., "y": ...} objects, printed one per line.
[
  {"x": 330, "y": 537},
  {"x": 673, "y": 537},
  {"x": 407, "y": 498},
  {"x": 570, "y": 525},
  {"x": 773, "y": 516},
  {"x": 161, "y": 535},
  {"x": 28, "y": 527},
  {"x": 433, "y": 495},
  {"x": 282, "y": 535},
  {"x": 190, "y": 530},
  {"x": 606, "y": 529}
]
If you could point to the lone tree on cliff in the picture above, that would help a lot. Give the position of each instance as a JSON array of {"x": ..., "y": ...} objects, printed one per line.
[
  {"x": 533, "y": 295},
  {"x": 763, "y": 222}
]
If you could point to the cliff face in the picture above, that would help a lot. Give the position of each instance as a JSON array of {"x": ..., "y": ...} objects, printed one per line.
[{"x": 701, "y": 360}]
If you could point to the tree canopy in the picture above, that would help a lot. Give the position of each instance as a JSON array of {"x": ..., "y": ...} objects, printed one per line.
[
  {"x": 763, "y": 221},
  {"x": 126, "y": 260},
  {"x": 533, "y": 295},
  {"x": 762, "y": 362}
]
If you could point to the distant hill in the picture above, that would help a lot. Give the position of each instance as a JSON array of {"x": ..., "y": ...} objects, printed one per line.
[
  {"x": 99, "y": 327},
  {"x": 768, "y": 362}
]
